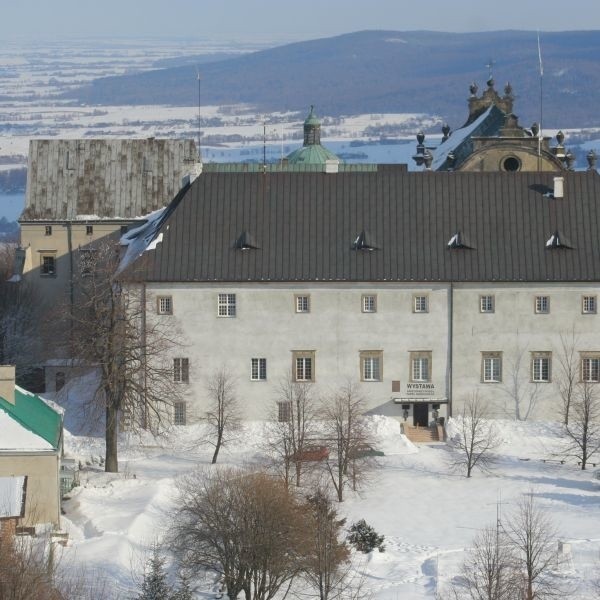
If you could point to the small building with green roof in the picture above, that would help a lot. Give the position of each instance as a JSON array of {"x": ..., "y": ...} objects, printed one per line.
[{"x": 31, "y": 438}]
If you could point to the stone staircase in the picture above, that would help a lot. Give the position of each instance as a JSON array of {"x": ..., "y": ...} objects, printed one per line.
[{"x": 421, "y": 435}]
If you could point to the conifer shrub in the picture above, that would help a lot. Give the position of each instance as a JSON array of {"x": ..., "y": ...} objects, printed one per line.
[{"x": 364, "y": 538}]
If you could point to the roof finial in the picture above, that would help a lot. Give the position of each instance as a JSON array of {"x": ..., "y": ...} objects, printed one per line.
[{"x": 490, "y": 67}]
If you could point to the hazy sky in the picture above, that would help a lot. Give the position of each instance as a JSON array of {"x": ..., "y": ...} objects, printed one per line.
[{"x": 282, "y": 19}]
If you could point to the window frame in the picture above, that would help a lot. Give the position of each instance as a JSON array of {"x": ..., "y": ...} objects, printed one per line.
[
  {"x": 303, "y": 355},
  {"x": 43, "y": 268},
  {"x": 589, "y": 298},
  {"x": 541, "y": 356},
  {"x": 159, "y": 308},
  {"x": 363, "y": 303},
  {"x": 495, "y": 356},
  {"x": 89, "y": 230},
  {"x": 260, "y": 370},
  {"x": 180, "y": 413},
  {"x": 297, "y": 299},
  {"x": 181, "y": 369},
  {"x": 483, "y": 298},
  {"x": 539, "y": 310},
  {"x": 367, "y": 356},
  {"x": 48, "y": 230},
  {"x": 229, "y": 306},
  {"x": 589, "y": 356},
  {"x": 417, "y": 298},
  {"x": 420, "y": 355}
]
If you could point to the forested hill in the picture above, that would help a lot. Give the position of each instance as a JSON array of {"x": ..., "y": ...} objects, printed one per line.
[{"x": 385, "y": 71}]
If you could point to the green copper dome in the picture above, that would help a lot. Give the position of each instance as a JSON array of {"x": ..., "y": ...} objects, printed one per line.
[
  {"x": 312, "y": 119},
  {"x": 312, "y": 152}
]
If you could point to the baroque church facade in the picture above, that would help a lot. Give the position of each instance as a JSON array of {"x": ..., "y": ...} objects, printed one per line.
[{"x": 472, "y": 276}]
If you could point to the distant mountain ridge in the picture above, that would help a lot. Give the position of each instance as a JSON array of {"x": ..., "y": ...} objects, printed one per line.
[{"x": 385, "y": 71}]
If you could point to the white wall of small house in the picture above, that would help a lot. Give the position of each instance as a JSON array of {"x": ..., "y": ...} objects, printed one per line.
[{"x": 267, "y": 325}]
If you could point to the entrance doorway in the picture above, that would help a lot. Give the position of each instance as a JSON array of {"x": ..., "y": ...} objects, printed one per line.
[{"x": 421, "y": 414}]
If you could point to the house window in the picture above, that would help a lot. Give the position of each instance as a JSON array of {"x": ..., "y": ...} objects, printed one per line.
[
  {"x": 284, "y": 410},
  {"x": 491, "y": 367},
  {"x": 420, "y": 304},
  {"x": 179, "y": 413},
  {"x": 226, "y": 305},
  {"x": 89, "y": 230},
  {"x": 48, "y": 265},
  {"x": 420, "y": 366},
  {"x": 590, "y": 368},
  {"x": 540, "y": 367},
  {"x": 369, "y": 303},
  {"x": 370, "y": 365},
  {"x": 304, "y": 365},
  {"x": 588, "y": 305},
  {"x": 258, "y": 369},
  {"x": 181, "y": 370},
  {"x": 165, "y": 305},
  {"x": 542, "y": 305},
  {"x": 48, "y": 229},
  {"x": 302, "y": 304},
  {"x": 486, "y": 304}
]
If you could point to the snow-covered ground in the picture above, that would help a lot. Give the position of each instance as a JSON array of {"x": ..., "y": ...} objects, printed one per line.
[{"x": 428, "y": 513}]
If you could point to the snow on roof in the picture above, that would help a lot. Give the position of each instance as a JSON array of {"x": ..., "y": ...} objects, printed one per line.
[
  {"x": 14, "y": 436},
  {"x": 12, "y": 494}
]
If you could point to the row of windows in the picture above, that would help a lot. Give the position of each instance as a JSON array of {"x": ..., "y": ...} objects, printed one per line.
[
  {"x": 226, "y": 304},
  {"x": 89, "y": 230},
  {"x": 371, "y": 367}
]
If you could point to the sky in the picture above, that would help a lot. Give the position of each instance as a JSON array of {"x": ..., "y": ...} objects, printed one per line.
[{"x": 254, "y": 20}]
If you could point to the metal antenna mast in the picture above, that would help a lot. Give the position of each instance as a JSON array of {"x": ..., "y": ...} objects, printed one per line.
[
  {"x": 199, "y": 116},
  {"x": 541, "y": 100}
]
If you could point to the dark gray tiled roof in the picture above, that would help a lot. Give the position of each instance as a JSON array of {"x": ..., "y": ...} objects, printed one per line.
[{"x": 304, "y": 225}]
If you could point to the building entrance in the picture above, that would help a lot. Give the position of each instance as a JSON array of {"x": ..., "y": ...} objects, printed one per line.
[{"x": 421, "y": 414}]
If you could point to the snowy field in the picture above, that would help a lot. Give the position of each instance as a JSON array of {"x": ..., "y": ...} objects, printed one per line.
[{"x": 428, "y": 513}]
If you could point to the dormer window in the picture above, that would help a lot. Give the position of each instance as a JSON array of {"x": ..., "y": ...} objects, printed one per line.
[
  {"x": 364, "y": 242},
  {"x": 245, "y": 242},
  {"x": 458, "y": 240},
  {"x": 558, "y": 240}
]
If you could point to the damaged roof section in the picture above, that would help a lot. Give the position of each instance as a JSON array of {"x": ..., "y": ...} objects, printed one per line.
[{"x": 104, "y": 179}]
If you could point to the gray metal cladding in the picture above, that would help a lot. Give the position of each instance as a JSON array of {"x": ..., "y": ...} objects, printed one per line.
[{"x": 305, "y": 224}]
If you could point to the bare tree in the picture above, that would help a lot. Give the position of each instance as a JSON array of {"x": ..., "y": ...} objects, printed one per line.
[
  {"x": 244, "y": 526},
  {"x": 110, "y": 330},
  {"x": 345, "y": 425},
  {"x": 327, "y": 555},
  {"x": 223, "y": 414},
  {"x": 487, "y": 572},
  {"x": 477, "y": 437},
  {"x": 523, "y": 395},
  {"x": 567, "y": 372},
  {"x": 534, "y": 539},
  {"x": 583, "y": 429},
  {"x": 294, "y": 427}
]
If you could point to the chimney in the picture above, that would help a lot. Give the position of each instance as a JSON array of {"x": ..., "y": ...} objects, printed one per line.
[
  {"x": 7, "y": 383},
  {"x": 559, "y": 191}
]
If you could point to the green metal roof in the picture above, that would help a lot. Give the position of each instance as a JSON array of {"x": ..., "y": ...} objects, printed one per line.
[
  {"x": 314, "y": 154},
  {"x": 312, "y": 119},
  {"x": 34, "y": 414},
  {"x": 285, "y": 167}
]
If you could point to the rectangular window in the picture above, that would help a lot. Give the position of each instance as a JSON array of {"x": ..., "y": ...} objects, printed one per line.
[
  {"x": 420, "y": 304},
  {"x": 179, "y": 413},
  {"x": 284, "y": 411},
  {"x": 588, "y": 305},
  {"x": 124, "y": 229},
  {"x": 226, "y": 305},
  {"x": 370, "y": 365},
  {"x": 48, "y": 265},
  {"x": 486, "y": 304},
  {"x": 420, "y": 369},
  {"x": 369, "y": 304},
  {"x": 590, "y": 368},
  {"x": 48, "y": 229},
  {"x": 258, "y": 369},
  {"x": 181, "y": 370},
  {"x": 303, "y": 365},
  {"x": 491, "y": 367},
  {"x": 540, "y": 367},
  {"x": 165, "y": 305},
  {"x": 542, "y": 305},
  {"x": 302, "y": 304}
]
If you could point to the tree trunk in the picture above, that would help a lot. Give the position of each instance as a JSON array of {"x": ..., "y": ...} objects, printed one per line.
[
  {"x": 217, "y": 446},
  {"x": 111, "y": 463}
]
